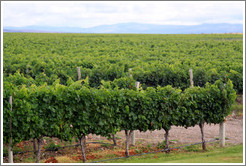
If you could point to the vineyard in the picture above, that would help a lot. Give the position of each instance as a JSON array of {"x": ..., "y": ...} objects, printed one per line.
[
  {"x": 71, "y": 85},
  {"x": 154, "y": 59}
]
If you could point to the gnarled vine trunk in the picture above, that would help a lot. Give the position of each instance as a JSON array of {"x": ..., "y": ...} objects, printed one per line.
[
  {"x": 127, "y": 133},
  {"x": 34, "y": 148},
  {"x": 166, "y": 140},
  {"x": 201, "y": 125},
  {"x": 39, "y": 149},
  {"x": 82, "y": 145},
  {"x": 114, "y": 139}
]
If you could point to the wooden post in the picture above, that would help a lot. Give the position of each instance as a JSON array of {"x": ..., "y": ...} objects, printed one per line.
[
  {"x": 222, "y": 134},
  {"x": 132, "y": 136},
  {"x": 79, "y": 73},
  {"x": 133, "y": 132},
  {"x": 27, "y": 70},
  {"x": 137, "y": 84},
  {"x": 191, "y": 78},
  {"x": 130, "y": 72},
  {"x": 10, "y": 151}
]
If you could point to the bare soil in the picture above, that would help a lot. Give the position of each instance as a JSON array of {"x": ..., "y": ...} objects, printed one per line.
[{"x": 180, "y": 135}]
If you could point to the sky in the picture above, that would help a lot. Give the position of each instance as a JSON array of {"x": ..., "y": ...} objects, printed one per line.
[{"x": 87, "y": 14}]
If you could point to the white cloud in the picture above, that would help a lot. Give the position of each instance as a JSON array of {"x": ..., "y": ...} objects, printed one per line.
[{"x": 87, "y": 14}]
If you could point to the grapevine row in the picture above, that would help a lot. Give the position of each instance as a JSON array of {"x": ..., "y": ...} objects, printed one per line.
[
  {"x": 155, "y": 59},
  {"x": 76, "y": 110}
]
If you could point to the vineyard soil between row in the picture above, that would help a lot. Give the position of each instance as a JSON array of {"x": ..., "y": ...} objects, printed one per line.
[{"x": 145, "y": 141}]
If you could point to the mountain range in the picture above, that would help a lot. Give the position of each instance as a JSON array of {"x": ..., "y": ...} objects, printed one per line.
[{"x": 136, "y": 28}]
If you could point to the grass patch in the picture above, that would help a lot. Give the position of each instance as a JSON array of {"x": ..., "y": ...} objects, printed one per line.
[
  {"x": 64, "y": 159},
  {"x": 231, "y": 154},
  {"x": 237, "y": 108},
  {"x": 192, "y": 148},
  {"x": 27, "y": 159},
  {"x": 161, "y": 145},
  {"x": 52, "y": 146}
]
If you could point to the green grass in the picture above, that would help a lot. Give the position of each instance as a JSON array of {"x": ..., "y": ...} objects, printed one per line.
[
  {"x": 231, "y": 154},
  {"x": 237, "y": 108}
]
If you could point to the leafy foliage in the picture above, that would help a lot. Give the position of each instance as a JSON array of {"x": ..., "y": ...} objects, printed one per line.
[
  {"x": 155, "y": 59},
  {"x": 40, "y": 74},
  {"x": 66, "y": 111}
]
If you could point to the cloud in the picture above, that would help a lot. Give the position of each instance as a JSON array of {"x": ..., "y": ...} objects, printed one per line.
[{"x": 88, "y": 14}]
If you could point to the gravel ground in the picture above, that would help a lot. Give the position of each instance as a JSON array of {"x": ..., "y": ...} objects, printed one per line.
[
  {"x": 233, "y": 127},
  {"x": 180, "y": 135}
]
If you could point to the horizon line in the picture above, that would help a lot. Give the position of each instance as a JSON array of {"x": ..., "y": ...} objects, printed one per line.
[{"x": 118, "y": 23}]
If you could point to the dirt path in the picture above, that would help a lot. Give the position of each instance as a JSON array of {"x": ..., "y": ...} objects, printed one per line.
[{"x": 234, "y": 133}]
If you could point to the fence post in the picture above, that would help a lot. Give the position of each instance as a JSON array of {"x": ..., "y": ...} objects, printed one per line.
[
  {"x": 10, "y": 151},
  {"x": 191, "y": 78},
  {"x": 222, "y": 134},
  {"x": 133, "y": 132},
  {"x": 79, "y": 73},
  {"x": 27, "y": 70},
  {"x": 132, "y": 135},
  {"x": 130, "y": 72},
  {"x": 137, "y": 85}
]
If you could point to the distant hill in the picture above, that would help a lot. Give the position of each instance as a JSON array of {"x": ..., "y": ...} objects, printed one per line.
[{"x": 136, "y": 28}]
